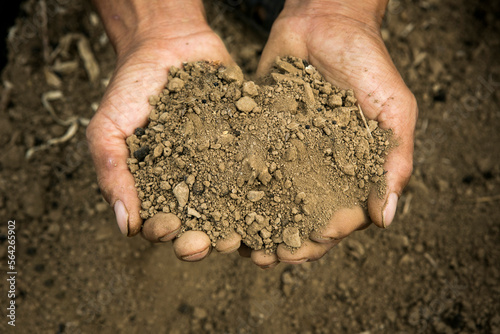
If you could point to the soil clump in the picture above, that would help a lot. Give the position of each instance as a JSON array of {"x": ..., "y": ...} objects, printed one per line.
[{"x": 271, "y": 161}]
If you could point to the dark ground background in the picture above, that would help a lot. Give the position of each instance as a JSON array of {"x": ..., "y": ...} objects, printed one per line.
[
  {"x": 8, "y": 16},
  {"x": 434, "y": 271}
]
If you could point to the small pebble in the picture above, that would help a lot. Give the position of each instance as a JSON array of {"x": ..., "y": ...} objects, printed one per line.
[
  {"x": 254, "y": 196},
  {"x": 348, "y": 169},
  {"x": 231, "y": 74},
  {"x": 146, "y": 205},
  {"x": 291, "y": 237},
  {"x": 181, "y": 193},
  {"x": 246, "y": 104},
  {"x": 193, "y": 212},
  {"x": 250, "y": 89},
  {"x": 190, "y": 180},
  {"x": 198, "y": 188},
  {"x": 141, "y": 153},
  {"x": 139, "y": 132},
  {"x": 335, "y": 101},
  {"x": 153, "y": 100},
  {"x": 175, "y": 85}
]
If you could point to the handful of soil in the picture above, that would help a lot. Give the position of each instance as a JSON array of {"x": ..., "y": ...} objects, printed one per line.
[{"x": 271, "y": 161}]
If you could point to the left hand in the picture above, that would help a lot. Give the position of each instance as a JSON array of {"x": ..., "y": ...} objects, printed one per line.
[{"x": 343, "y": 41}]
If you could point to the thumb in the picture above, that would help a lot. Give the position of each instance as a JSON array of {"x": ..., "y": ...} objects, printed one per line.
[
  {"x": 399, "y": 163},
  {"x": 110, "y": 153}
]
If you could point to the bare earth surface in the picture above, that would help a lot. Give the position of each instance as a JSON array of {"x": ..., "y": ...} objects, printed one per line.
[{"x": 435, "y": 270}]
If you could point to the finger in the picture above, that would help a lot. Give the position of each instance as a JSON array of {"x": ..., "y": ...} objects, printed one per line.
[
  {"x": 161, "y": 227},
  {"x": 229, "y": 244},
  {"x": 192, "y": 246},
  {"x": 343, "y": 222},
  {"x": 263, "y": 260},
  {"x": 116, "y": 183},
  {"x": 284, "y": 40},
  {"x": 399, "y": 163},
  {"x": 309, "y": 251}
]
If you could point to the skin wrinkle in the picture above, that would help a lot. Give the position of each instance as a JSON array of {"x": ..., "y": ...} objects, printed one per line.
[
  {"x": 385, "y": 118},
  {"x": 109, "y": 192},
  {"x": 134, "y": 18},
  {"x": 116, "y": 124},
  {"x": 317, "y": 9},
  {"x": 351, "y": 49},
  {"x": 197, "y": 15},
  {"x": 165, "y": 40}
]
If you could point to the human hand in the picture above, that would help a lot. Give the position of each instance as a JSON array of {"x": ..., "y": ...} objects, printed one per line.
[
  {"x": 343, "y": 41},
  {"x": 147, "y": 45}
]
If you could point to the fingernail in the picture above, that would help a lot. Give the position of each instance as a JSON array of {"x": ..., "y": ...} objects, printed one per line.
[
  {"x": 390, "y": 209},
  {"x": 169, "y": 236},
  {"x": 198, "y": 256},
  {"x": 317, "y": 237},
  {"x": 294, "y": 261},
  {"x": 121, "y": 216},
  {"x": 270, "y": 266}
]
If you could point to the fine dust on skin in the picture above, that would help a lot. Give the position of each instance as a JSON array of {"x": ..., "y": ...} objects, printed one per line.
[{"x": 271, "y": 161}]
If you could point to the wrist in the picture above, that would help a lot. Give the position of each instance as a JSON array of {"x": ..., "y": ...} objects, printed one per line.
[
  {"x": 368, "y": 12},
  {"x": 132, "y": 22}
]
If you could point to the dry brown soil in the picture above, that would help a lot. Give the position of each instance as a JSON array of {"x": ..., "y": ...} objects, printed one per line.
[{"x": 271, "y": 162}]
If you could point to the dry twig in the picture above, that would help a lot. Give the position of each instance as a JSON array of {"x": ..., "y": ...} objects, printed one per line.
[
  {"x": 406, "y": 207},
  {"x": 487, "y": 199},
  {"x": 364, "y": 121},
  {"x": 73, "y": 122},
  {"x": 7, "y": 90},
  {"x": 45, "y": 32}
]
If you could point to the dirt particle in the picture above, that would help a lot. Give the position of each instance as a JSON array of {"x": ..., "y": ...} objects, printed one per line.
[
  {"x": 146, "y": 205},
  {"x": 355, "y": 248},
  {"x": 190, "y": 180},
  {"x": 255, "y": 196},
  {"x": 349, "y": 169},
  {"x": 181, "y": 193},
  {"x": 291, "y": 237},
  {"x": 250, "y": 89},
  {"x": 175, "y": 84},
  {"x": 300, "y": 197},
  {"x": 141, "y": 153},
  {"x": 231, "y": 74},
  {"x": 216, "y": 215},
  {"x": 139, "y": 132},
  {"x": 246, "y": 104},
  {"x": 153, "y": 100},
  {"x": 265, "y": 177},
  {"x": 319, "y": 122},
  {"x": 291, "y": 153},
  {"x": 158, "y": 151},
  {"x": 286, "y": 66},
  {"x": 198, "y": 188}
]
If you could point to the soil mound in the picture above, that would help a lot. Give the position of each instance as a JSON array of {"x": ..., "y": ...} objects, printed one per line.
[{"x": 271, "y": 161}]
